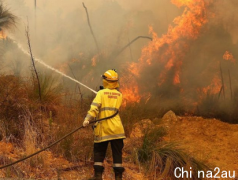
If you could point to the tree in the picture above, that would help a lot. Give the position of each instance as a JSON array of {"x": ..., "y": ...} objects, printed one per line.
[{"x": 7, "y": 19}]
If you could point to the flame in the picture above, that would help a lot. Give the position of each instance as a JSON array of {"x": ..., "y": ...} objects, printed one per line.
[
  {"x": 164, "y": 55},
  {"x": 176, "y": 78},
  {"x": 2, "y": 35},
  {"x": 214, "y": 87},
  {"x": 94, "y": 60},
  {"x": 133, "y": 69},
  {"x": 130, "y": 95},
  {"x": 188, "y": 26},
  {"x": 228, "y": 56},
  {"x": 63, "y": 67},
  {"x": 129, "y": 87}
]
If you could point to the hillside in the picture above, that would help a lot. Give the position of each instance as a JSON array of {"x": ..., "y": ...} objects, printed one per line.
[
  {"x": 213, "y": 141},
  {"x": 209, "y": 140}
]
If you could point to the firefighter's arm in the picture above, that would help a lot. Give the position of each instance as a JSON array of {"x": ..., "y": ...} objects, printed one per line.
[{"x": 94, "y": 110}]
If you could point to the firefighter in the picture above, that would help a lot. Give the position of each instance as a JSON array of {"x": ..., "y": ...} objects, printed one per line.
[{"x": 106, "y": 103}]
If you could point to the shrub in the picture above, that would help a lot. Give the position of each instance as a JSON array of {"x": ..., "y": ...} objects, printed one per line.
[
  {"x": 13, "y": 101},
  {"x": 162, "y": 158},
  {"x": 50, "y": 91},
  {"x": 214, "y": 106}
]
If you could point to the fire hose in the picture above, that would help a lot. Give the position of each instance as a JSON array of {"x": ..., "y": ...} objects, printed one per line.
[{"x": 37, "y": 152}]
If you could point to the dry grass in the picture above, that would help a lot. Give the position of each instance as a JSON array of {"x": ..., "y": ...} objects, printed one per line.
[
  {"x": 79, "y": 146},
  {"x": 46, "y": 121},
  {"x": 13, "y": 100},
  {"x": 30, "y": 142}
]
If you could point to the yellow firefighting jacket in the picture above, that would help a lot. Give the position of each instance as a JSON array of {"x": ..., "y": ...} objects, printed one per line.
[{"x": 106, "y": 103}]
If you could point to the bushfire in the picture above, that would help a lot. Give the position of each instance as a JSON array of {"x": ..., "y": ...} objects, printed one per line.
[{"x": 167, "y": 64}]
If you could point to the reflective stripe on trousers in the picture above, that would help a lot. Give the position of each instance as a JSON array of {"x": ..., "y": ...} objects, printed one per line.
[
  {"x": 98, "y": 163},
  {"x": 117, "y": 165}
]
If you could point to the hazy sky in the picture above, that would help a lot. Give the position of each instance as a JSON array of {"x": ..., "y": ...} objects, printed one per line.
[{"x": 60, "y": 34}]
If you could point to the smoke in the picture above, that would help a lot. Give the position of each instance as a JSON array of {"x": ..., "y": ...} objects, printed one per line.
[
  {"x": 225, "y": 15},
  {"x": 189, "y": 41},
  {"x": 188, "y": 61},
  {"x": 60, "y": 34}
]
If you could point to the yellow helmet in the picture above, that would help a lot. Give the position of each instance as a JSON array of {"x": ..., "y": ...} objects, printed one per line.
[{"x": 110, "y": 75}]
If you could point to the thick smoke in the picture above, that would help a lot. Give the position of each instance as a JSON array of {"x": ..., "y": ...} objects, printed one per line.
[
  {"x": 187, "y": 62},
  {"x": 226, "y": 16},
  {"x": 61, "y": 37},
  {"x": 60, "y": 34}
]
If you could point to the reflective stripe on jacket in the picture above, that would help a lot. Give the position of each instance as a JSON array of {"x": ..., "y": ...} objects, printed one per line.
[{"x": 106, "y": 103}]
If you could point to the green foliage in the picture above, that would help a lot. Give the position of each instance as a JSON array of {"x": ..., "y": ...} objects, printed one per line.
[
  {"x": 162, "y": 158},
  {"x": 7, "y": 20},
  {"x": 50, "y": 90},
  {"x": 168, "y": 156},
  {"x": 151, "y": 138}
]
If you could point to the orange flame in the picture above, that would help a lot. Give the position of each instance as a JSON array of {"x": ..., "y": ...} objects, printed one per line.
[
  {"x": 214, "y": 87},
  {"x": 167, "y": 52},
  {"x": 228, "y": 56},
  {"x": 129, "y": 86},
  {"x": 130, "y": 94},
  {"x": 94, "y": 60},
  {"x": 188, "y": 26},
  {"x": 63, "y": 67},
  {"x": 2, "y": 35}
]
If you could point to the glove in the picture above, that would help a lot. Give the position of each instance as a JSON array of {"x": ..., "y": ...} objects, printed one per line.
[{"x": 86, "y": 122}]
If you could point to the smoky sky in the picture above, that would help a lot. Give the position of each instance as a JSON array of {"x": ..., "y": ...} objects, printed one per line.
[
  {"x": 60, "y": 34},
  {"x": 61, "y": 37}
]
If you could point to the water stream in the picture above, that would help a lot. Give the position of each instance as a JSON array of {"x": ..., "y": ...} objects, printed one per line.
[{"x": 49, "y": 67}]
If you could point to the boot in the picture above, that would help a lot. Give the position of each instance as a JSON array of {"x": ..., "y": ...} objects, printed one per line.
[
  {"x": 98, "y": 170},
  {"x": 118, "y": 172},
  {"x": 118, "y": 175}
]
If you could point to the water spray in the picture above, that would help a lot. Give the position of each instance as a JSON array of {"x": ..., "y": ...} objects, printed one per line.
[{"x": 49, "y": 67}]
